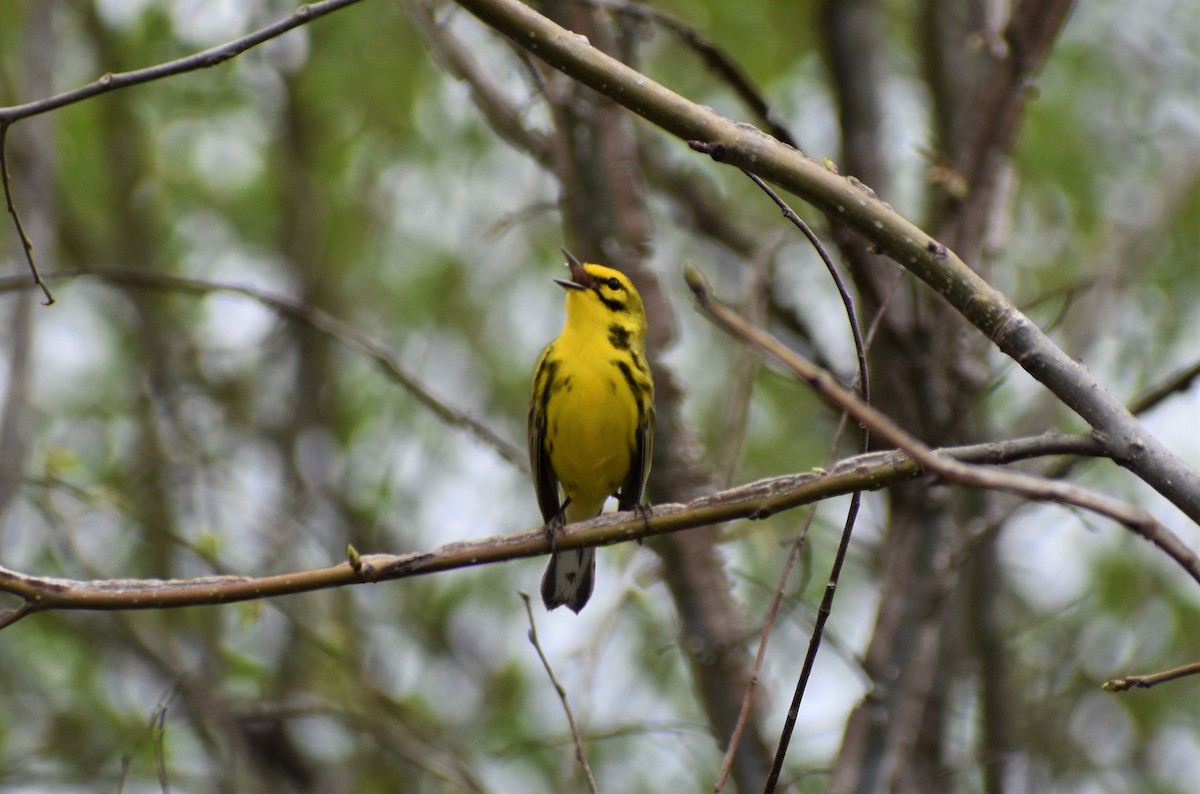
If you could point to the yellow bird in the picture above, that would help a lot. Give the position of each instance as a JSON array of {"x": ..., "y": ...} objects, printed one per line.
[{"x": 591, "y": 418}]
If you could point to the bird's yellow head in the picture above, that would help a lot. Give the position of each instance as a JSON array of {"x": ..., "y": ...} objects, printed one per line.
[{"x": 600, "y": 297}]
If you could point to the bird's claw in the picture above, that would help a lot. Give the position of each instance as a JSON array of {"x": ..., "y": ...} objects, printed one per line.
[{"x": 553, "y": 529}]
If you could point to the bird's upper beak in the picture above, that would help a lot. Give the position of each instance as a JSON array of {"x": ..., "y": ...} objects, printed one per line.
[{"x": 580, "y": 278}]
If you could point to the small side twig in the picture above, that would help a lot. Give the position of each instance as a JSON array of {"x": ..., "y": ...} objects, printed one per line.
[
  {"x": 111, "y": 82},
  {"x": 1152, "y": 679},
  {"x": 826, "y": 607},
  {"x": 1178, "y": 382},
  {"x": 11, "y": 616},
  {"x": 26, "y": 243},
  {"x": 157, "y": 731},
  {"x": 1027, "y": 485},
  {"x": 735, "y": 737},
  {"x": 200, "y": 60},
  {"x": 715, "y": 58},
  {"x": 580, "y": 754}
]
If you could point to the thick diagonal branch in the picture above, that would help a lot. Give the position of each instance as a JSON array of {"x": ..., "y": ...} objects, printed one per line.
[{"x": 985, "y": 307}]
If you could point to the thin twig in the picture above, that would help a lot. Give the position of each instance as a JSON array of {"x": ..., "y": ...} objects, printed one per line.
[
  {"x": 826, "y": 607},
  {"x": 26, "y": 243},
  {"x": 111, "y": 82},
  {"x": 814, "y": 643},
  {"x": 200, "y": 60},
  {"x": 714, "y": 57},
  {"x": 1147, "y": 681},
  {"x": 459, "y": 60},
  {"x": 313, "y": 318},
  {"x": 735, "y": 413},
  {"x": 1178, "y": 382},
  {"x": 580, "y": 754},
  {"x": 743, "y": 718},
  {"x": 843, "y": 292},
  {"x": 1027, "y": 485},
  {"x": 11, "y": 616}
]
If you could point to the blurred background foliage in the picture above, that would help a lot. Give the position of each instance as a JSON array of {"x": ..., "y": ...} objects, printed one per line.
[{"x": 154, "y": 432}]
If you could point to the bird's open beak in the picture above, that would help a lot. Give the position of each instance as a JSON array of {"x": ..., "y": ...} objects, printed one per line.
[{"x": 580, "y": 278}]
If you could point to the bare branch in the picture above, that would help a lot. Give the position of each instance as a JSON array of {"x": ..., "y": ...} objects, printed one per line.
[
  {"x": 501, "y": 114},
  {"x": 715, "y": 58},
  {"x": 576, "y": 738},
  {"x": 1147, "y": 681},
  {"x": 1027, "y": 485},
  {"x": 756, "y": 500},
  {"x": 26, "y": 243},
  {"x": 1178, "y": 382},
  {"x": 111, "y": 82},
  {"x": 826, "y": 607},
  {"x": 200, "y": 60}
]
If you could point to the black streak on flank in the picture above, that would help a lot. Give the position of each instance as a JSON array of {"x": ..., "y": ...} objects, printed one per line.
[
  {"x": 638, "y": 390},
  {"x": 549, "y": 374}
]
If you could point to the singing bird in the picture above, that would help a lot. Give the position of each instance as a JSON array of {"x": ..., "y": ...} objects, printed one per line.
[{"x": 591, "y": 418}]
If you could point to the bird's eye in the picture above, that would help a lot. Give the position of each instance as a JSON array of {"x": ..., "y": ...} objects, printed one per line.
[{"x": 614, "y": 285}]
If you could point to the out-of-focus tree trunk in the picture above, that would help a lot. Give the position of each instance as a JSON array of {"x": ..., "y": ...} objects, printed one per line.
[
  {"x": 928, "y": 378},
  {"x": 606, "y": 218},
  {"x": 32, "y": 168}
]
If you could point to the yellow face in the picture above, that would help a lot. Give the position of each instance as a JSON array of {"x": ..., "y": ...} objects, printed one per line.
[
  {"x": 599, "y": 295},
  {"x": 615, "y": 289}
]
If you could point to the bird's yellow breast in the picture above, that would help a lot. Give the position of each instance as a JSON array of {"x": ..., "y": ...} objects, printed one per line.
[{"x": 592, "y": 420}]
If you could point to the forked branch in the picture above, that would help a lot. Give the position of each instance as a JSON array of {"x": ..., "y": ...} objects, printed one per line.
[{"x": 755, "y": 500}]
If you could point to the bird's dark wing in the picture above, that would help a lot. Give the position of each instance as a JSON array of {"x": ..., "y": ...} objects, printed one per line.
[
  {"x": 634, "y": 487},
  {"x": 545, "y": 481}
]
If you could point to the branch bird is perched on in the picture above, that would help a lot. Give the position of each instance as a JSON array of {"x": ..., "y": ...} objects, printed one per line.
[{"x": 591, "y": 418}]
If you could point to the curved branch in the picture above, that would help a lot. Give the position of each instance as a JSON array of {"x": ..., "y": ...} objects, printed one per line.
[
  {"x": 111, "y": 82},
  {"x": 755, "y": 500},
  {"x": 722, "y": 64},
  {"x": 200, "y": 60},
  {"x": 1027, "y": 485},
  {"x": 988, "y": 309},
  {"x": 864, "y": 392},
  {"x": 18, "y": 225},
  {"x": 576, "y": 737}
]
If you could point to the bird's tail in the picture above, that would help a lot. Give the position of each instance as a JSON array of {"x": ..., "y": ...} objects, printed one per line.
[
  {"x": 571, "y": 574},
  {"x": 569, "y": 579}
]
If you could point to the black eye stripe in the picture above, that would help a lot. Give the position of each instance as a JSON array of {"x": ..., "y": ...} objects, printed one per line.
[{"x": 613, "y": 305}]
